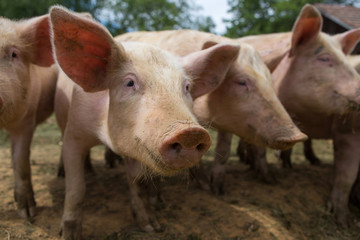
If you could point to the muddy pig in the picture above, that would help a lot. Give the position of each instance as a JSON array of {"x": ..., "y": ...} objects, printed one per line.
[
  {"x": 27, "y": 88},
  {"x": 317, "y": 85},
  {"x": 132, "y": 97}
]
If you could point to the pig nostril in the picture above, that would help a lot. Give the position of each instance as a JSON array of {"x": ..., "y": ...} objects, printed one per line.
[
  {"x": 176, "y": 147},
  {"x": 200, "y": 147}
]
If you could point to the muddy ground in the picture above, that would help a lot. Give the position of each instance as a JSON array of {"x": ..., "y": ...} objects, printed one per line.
[{"x": 293, "y": 208}]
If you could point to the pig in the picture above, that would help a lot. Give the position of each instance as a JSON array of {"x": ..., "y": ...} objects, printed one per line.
[
  {"x": 319, "y": 88},
  {"x": 132, "y": 97},
  {"x": 228, "y": 108},
  {"x": 27, "y": 87}
]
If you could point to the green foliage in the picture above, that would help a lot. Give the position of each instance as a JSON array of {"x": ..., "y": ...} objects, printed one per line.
[
  {"x": 120, "y": 16},
  {"x": 251, "y": 17},
  {"x": 137, "y": 15}
]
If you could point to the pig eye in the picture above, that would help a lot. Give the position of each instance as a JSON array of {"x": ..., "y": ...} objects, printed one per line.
[
  {"x": 130, "y": 83},
  {"x": 242, "y": 83},
  {"x": 324, "y": 58},
  {"x": 187, "y": 87},
  {"x": 14, "y": 53}
]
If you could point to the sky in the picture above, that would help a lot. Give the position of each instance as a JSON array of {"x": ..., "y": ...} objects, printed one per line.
[{"x": 216, "y": 9}]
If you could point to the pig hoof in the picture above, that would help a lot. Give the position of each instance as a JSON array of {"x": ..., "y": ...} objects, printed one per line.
[
  {"x": 26, "y": 205},
  {"x": 70, "y": 230}
]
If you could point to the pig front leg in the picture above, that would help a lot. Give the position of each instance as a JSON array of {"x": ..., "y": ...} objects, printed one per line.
[
  {"x": 218, "y": 171},
  {"x": 87, "y": 165},
  {"x": 141, "y": 208},
  {"x": 309, "y": 153},
  {"x": 74, "y": 153},
  {"x": 347, "y": 152},
  {"x": 285, "y": 157},
  {"x": 259, "y": 163},
  {"x": 20, "y": 150}
]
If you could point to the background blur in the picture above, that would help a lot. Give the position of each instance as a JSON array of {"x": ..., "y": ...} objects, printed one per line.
[{"x": 242, "y": 17}]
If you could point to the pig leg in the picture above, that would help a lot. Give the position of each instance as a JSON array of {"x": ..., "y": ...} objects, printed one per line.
[
  {"x": 241, "y": 152},
  {"x": 142, "y": 214},
  {"x": 74, "y": 151},
  {"x": 309, "y": 153},
  {"x": 259, "y": 163},
  {"x": 218, "y": 171},
  {"x": 346, "y": 158},
  {"x": 285, "y": 157},
  {"x": 24, "y": 195},
  {"x": 87, "y": 165}
]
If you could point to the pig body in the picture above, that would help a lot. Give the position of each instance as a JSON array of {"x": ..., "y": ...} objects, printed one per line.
[
  {"x": 27, "y": 88},
  {"x": 132, "y": 97},
  {"x": 318, "y": 87}
]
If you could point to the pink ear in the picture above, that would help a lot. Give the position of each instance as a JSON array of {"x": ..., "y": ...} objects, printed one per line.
[
  {"x": 348, "y": 40},
  {"x": 307, "y": 27},
  {"x": 36, "y": 32},
  {"x": 209, "y": 67},
  {"x": 83, "y": 48}
]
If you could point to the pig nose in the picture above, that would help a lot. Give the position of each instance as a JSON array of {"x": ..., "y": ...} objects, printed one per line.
[
  {"x": 184, "y": 148},
  {"x": 284, "y": 143}
]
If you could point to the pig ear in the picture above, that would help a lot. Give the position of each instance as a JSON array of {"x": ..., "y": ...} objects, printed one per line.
[
  {"x": 306, "y": 28},
  {"x": 348, "y": 40},
  {"x": 84, "y": 49},
  {"x": 36, "y": 32},
  {"x": 208, "y": 67}
]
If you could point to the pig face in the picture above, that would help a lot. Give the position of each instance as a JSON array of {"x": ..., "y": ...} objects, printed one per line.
[
  {"x": 147, "y": 92},
  {"x": 316, "y": 75},
  {"x": 21, "y": 44},
  {"x": 150, "y": 101},
  {"x": 231, "y": 106}
]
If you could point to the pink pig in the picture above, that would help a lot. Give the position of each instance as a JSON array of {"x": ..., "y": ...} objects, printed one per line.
[
  {"x": 320, "y": 89},
  {"x": 27, "y": 88}
]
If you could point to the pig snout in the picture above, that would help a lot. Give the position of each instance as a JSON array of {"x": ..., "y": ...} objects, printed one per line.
[
  {"x": 286, "y": 142},
  {"x": 184, "y": 148}
]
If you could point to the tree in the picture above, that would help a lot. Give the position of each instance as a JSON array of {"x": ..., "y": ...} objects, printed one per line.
[
  {"x": 120, "y": 15},
  {"x": 137, "y": 15},
  {"x": 251, "y": 17}
]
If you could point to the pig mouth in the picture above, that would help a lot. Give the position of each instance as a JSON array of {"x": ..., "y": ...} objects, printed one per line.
[
  {"x": 352, "y": 106},
  {"x": 161, "y": 167}
]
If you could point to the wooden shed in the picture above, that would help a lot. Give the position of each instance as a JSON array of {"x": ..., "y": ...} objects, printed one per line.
[{"x": 339, "y": 18}]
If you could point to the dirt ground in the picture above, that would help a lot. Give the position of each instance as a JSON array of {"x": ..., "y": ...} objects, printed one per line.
[{"x": 293, "y": 208}]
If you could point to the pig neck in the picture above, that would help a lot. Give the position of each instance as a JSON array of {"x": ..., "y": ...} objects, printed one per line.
[{"x": 312, "y": 122}]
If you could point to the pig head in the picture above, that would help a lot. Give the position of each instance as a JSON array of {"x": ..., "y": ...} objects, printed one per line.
[{"x": 315, "y": 77}]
